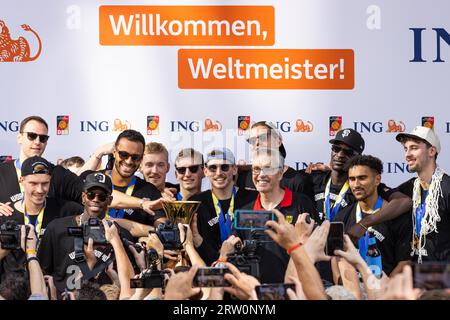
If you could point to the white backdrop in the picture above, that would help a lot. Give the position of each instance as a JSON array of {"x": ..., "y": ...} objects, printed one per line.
[{"x": 77, "y": 76}]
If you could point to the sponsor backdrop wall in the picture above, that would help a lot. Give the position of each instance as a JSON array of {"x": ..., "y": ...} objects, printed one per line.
[{"x": 197, "y": 73}]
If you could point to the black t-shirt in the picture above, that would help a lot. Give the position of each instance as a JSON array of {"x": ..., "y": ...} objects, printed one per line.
[
  {"x": 64, "y": 184},
  {"x": 297, "y": 181},
  {"x": 208, "y": 222},
  {"x": 437, "y": 244},
  {"x": 273, "y": 258},
  {"x": 320, "y": 179},
  {"x": 142, "y": 189},
  {"x": 15, "y": 261},
  {"x": 396, "y": 242},
  {"x": 56, "y": 252}
]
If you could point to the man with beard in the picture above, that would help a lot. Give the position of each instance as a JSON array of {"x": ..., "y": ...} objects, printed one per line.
[
  {"x": 128, "y": 153},
  {"x": 33, "y": 138},
  {"x": 430, "y": 192},
  {"x": 392, "y": 237}
]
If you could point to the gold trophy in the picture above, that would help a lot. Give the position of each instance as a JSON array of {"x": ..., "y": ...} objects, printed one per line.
[{"x": 180, "y": 212}]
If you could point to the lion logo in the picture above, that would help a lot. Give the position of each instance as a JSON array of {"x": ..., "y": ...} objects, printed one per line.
[
  {"x": 212, "y": 126},
  {"x": 16, "y": 50},
  {"x": 120, "y": 125},
  {"x": 303, "y": 126},
  {"x": 394, "y": 127}
]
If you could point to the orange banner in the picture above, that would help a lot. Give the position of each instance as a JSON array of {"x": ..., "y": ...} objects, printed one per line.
[
  {"x": 187, "y": 25},
  {"x": 266, "y": 69}
]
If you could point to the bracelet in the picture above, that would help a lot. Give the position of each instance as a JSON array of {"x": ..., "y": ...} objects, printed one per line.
[
  {"x": 363, "y": 226},
  {"x": 96, "y": 156},
  {"x": 31, "y": 259},
  {"x": 295, "y": 246},
  {"x": 30, "y": 251},
  {"x": 141, "y": 202}
]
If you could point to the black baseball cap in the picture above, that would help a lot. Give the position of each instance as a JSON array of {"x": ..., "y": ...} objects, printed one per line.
[
  {"x": 350, "y": 137},
  {"x": 99, "y": 180},
  {"x": 36, "y": 165}
]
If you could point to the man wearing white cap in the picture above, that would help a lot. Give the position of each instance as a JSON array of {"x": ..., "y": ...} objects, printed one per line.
[
  {"x": 430, "y": 193},
  {"x": 215, "y": 214}
]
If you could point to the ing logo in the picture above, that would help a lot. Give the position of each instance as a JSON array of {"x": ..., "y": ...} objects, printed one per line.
[
  {"x": 303, "y": 126},
  {"x": 120, "y": 125},
  {"x": 16, "y": 50},
  {"x": 396, "y": 127},
  {"x": 212, "y": 126}
]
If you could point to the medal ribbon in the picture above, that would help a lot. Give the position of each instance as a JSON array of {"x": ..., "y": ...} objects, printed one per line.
[
  {"x": 363, "y": 242},
  {"x": 420, "y": 213},
  {"x": 224, "y": 219},
  {"x": 119, "y": 213},
  {"x": 38, "y": 223},
  {"x": 330, "y": 214}
]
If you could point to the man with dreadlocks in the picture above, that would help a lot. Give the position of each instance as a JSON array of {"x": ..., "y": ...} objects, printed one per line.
[{"x": 430, "y": 193}]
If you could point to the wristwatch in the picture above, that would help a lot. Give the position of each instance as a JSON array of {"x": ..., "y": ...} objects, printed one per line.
[{"x": 141, "y": 202}]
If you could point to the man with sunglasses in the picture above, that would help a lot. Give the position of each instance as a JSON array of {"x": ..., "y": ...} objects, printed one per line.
[
  {"x": 216, "y": 212},
  {"x": 264, "y": 134},
  {"x": 189, "y": 173},
  {"x": 33, "y": 138},
  {"x": 128, "y": 152},
  {"x": 59, "y": 252},
  {"x": 35, "y": 207},
  {"x": 267, "y": 174}
]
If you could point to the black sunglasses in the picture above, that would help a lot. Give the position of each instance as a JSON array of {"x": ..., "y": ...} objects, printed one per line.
[
  {"x": 43, "y": 138},
  {"x": 224, "y": 167},
  {"x": 192, "y": 169},
  {"x": 100, "y": 196},
  {"x": 123, "y": 155},
  {"x": 347, "y": 152}
]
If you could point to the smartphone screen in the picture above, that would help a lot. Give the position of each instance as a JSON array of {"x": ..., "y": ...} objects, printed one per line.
[
  {"x": 432, "y": 275},
  {"x": 252, "y": 219},
  {"x": 274, "y": 291},
  {"x": 335, "y": 240},
  {"x": 211, "y": 277}
]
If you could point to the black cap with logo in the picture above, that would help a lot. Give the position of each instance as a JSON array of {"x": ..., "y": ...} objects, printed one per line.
[
  {"x": 99, "y": 180},
  {"x": 36, "y": 165},
  {"x": 350, "y": 137}
]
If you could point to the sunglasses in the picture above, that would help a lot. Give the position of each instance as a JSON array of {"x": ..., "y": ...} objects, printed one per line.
[
  {"x": 262, "y": 138},
  {"x": 223, "y": 167},
  {"x": 192, "y": 169},
  {"x": 347, "y": 152},
  {"x": 43, "y": 138},
  {"x": 268, "y": 170},
  {"x": 123, "y": 155},
  {"x": 91, "y": 195}
]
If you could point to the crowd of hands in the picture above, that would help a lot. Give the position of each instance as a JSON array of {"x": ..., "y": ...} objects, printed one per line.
[{"x": 346, "y": 265}]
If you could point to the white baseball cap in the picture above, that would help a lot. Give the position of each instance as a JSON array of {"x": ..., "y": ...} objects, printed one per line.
[{"x": 422, "y": 133}]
